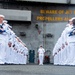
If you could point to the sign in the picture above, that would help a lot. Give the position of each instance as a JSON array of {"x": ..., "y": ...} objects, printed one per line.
[{"x": 54, "y": 15}]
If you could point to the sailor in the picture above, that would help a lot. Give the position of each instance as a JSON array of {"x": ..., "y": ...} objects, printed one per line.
[
  {"x": 71, "y": 40},
  {"x": 25, "y": 54},
  {"x": 57, "y": 52},
  {"x": 41, "y": 52},
  {"x": 3, "y": 42},
  {"x": 5, "y": 22}
]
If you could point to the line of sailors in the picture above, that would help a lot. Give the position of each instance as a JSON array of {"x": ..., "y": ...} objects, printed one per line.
[
  {"x": 12, "y": 49},
  {"x": 64, "y": 49}
]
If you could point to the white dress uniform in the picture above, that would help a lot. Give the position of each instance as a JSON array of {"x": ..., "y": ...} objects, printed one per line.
[
  {"x": 3, "y": 46},
  {"x": 63, "y": 48},
  {"x": 57, "y": 52},
  {"x": 41, "y": 52},
  {"x": 20, "y": 53},
  {"x": 67, "y": 47},
  {"x": 71, "y": 41},
  {"x": 2, "y": 49},
  {"x": 16, "y": 52},
  {"x": 25, "y": 55},
  {"x": 5, "y": 26},
  {"x": 10, "y": 49}
]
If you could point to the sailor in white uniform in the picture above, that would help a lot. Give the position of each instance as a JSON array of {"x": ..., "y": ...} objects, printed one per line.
[
  {"x": 25, "y": 54},
  {"x": 67, "y": 43},
  {"x": 41, "y": 52},
  {"x": 71, "y": 40},
  {"x": 58, "y": 52},
  {"x": 5, "y": 22},
  {"x": 3, "y": 41},
  {"x": 6, "y": 27}
]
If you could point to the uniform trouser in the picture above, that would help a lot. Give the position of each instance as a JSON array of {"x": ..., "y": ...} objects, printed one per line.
[
  {"x": 41, "y": 58},
  {"x": 71, "y": 57},
  {"x": 2, "y": 53},
  {"x": 67, "y": 55},
  {"x": 5, "y": 44},
  {"x": 10, "y": 56},
  {"x": 2, "y": 49},
  {"x": 25, "y": 59}
]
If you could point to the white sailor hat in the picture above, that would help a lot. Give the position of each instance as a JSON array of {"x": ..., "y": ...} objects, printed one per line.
[
  {"x": 2, "y": 16},
  {"x": 41, "y": 46},
  {"x": 5, "y": 21},
  {"x": 72, "y": 19}
]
